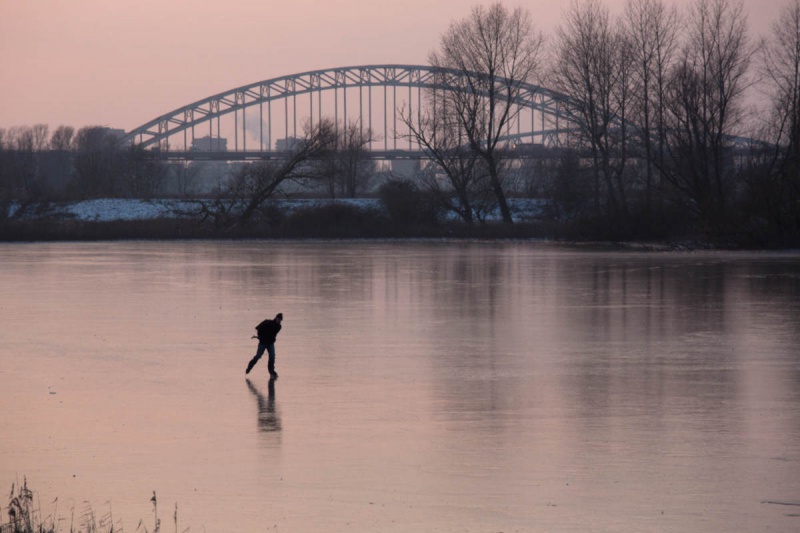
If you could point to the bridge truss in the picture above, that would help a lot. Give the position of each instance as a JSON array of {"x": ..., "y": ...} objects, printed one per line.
[{"x": 258, "y": 116}]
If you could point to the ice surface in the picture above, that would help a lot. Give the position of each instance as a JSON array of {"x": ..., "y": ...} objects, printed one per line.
[{"x": 423, "y": 386}]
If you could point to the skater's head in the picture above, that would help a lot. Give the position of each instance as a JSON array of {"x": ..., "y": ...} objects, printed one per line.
[{"x": 278, "y": 317}]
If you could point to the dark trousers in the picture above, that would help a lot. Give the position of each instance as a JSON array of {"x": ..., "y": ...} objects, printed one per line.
[{"x": 270, "y": 349}]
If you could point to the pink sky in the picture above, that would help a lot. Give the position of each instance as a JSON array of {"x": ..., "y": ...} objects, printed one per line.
[{"x": 121, "y": 63}]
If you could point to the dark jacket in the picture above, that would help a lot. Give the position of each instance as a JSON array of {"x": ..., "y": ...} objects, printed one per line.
[{"x": 267, "y": 331}]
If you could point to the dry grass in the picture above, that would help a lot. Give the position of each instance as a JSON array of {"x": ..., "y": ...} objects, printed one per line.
[{"x": 25, "y": 515}]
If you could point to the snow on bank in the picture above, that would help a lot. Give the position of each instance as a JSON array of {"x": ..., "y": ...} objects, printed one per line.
[
  {"x": 107, "y": 209},
  {"x": 111, "y": 209}
]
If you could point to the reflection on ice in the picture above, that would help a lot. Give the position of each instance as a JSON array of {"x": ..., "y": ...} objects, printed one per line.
[
  {"x": 424, "y": 386},
  {"x": 268, "y": 418}
]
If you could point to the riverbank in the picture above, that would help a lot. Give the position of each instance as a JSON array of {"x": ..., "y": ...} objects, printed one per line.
[
  {"x": 131, "y": 219},
  {"x": 350, "y": 226},
  {"x": 122, "y": 219}
]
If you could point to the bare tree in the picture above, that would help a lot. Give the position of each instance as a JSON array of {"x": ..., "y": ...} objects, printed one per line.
[
  {"x": 61, "y": 140},
  {"x": 780, "y": 69},
  {"x": 186, "y": 177},
  {"x": 705, "y": 99},
  {"x": 60, "y": 156},
  {"x": 21, "y": 143},
  {"x": 622, "y": 97},
  {"x": 95, "y": 162},
  {"x": 40, "y": 137},
  {"x": 24, "y": 164},
  {"x": 484, "y": 60},
  {"x": 353, "y": 152},
  {"x": 346, "y": 170},
  {"x": 141, "y": 173},
  {"x": 40, "y": 133},
  {"x": 5, "y": 176},
  {"x": 776, "y": 189},
  {"x": 652, "y": 29},
  {"x": 593, "y": 69},
  {"x": 438, "y": 132},
  {"x": 20, "y": 173},
  {"x": 256, "y": 183}
]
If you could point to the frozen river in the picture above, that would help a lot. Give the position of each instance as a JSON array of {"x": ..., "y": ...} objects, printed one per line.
[{"x": 445, "y": 387}]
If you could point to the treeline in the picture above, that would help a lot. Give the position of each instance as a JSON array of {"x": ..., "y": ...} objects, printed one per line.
[
  {"x": 684, "y": 126},
  {"x": 37, "y": 165},
  {"x": 665, "y": 102},
  {"x": 669, "y": 139}
]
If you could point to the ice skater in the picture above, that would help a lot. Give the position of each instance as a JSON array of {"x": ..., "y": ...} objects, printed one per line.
[{"x": 267, "y": 331}]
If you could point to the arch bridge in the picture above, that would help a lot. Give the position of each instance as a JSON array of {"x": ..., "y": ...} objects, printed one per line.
[{"x": 261, "y": 119}]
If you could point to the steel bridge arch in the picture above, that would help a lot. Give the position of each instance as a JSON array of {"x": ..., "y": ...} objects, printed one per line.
[{"x": 181, "y": 120}]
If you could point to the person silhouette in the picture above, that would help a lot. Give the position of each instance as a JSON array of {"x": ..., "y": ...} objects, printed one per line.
[
  {"x": 267, "y": 332},
  {"x": 268, "y": 419}
]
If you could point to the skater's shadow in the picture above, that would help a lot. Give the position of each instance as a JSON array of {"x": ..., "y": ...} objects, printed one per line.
[{"x": 268, "y": 419}]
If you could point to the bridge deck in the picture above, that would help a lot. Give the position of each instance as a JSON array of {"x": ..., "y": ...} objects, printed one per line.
[{"x": 380, "y": 155}]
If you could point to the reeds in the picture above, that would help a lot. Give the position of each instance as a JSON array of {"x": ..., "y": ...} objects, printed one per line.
[{"x": 25, "y": 516}]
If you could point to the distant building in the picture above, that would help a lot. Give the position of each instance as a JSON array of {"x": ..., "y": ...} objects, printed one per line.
[
  {"x": 287, "y": 145},
  {"x": 529, "y": 149},
  {"x": 210, "y": 144},
  {"x": 113, "y": 133},
  {"x": 405, "y": 168}
]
